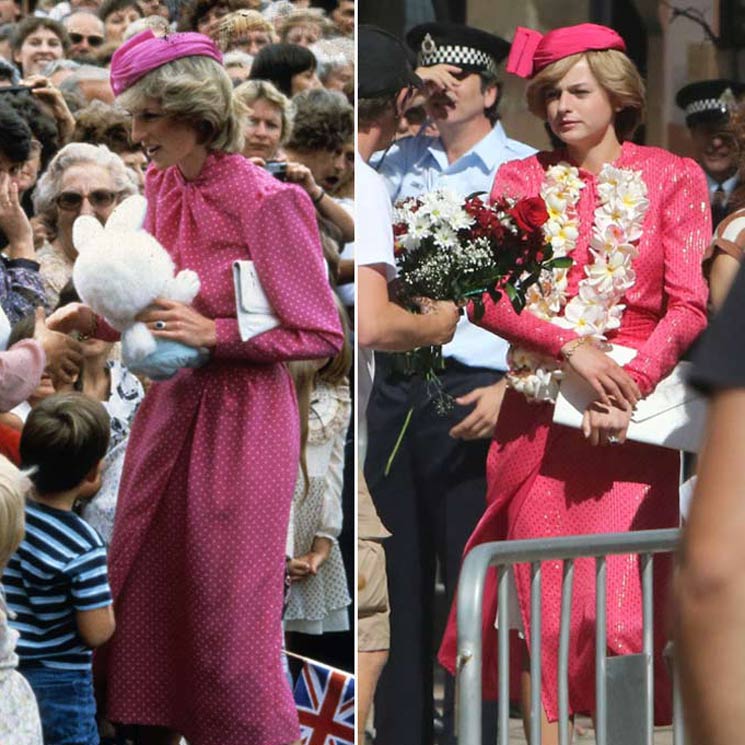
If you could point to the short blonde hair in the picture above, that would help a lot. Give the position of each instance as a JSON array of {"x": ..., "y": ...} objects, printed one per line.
[
  {"x": 304, "y": 17},
  {"x": 13, "y": 487},
  {"x": 253, "y": 90},
  {"x": 240, "y": 22},
  {"x": 615, "y": 73},
  {"x": 196, "y": 90}
]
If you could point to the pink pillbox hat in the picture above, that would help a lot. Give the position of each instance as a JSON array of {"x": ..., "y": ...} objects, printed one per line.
[
  {"x": 146, "y": 52},
  {"x": 532, "y": 51}
]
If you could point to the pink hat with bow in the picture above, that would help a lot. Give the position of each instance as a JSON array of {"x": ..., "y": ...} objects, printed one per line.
[
  {"x": 532, "y": 51},
  {"x": 146, "y": 52}
]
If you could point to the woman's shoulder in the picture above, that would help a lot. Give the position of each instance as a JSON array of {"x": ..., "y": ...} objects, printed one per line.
[
  {"x": 657, "y": 159},
  {"x": 534, "y": 162},
  {"x": 520, "y": 177}
]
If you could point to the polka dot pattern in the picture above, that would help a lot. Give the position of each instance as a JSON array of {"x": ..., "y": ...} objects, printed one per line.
[
  {"x": 197, "y": 555},
  {"x": 545, "y": 480}
]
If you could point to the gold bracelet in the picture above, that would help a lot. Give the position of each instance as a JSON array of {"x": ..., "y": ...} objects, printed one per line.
[{"x": 573, "y": 346}]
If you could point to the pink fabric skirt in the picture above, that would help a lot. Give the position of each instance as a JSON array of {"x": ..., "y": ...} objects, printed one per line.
[
  {"x": 545, "y": 480},
  {"x": 197, "y": 559}
]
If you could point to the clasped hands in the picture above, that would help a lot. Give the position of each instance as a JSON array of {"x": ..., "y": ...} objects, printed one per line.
[{"x": 607, "y": 419}]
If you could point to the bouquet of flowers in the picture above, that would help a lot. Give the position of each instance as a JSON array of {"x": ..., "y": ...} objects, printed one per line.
[{"x": 450, "y": 249}]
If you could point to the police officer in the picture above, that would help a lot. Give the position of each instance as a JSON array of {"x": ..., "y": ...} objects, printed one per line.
[
  {"x": 707, "y": 105},
  {"x": 435, "y": 492}
]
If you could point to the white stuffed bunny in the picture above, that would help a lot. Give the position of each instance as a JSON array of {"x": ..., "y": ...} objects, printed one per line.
[{"x": 121, "y": 269}]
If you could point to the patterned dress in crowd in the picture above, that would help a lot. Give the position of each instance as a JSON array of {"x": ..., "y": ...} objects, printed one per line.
[
  {"x": 19, "y": 714},
  {"x": 546, "y": 480},
  {"x": 319, "y": 603},
  {"x": 124, "y": 399},
  {"x": 197, "y": 557}
]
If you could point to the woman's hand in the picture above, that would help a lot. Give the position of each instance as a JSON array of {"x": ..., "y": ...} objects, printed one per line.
[
  {"x": 47, "y": 93},
  {"x": 168, "y": 319},
  {"x": 301, "y": 175},
  {"x": 14, "y": 222},
  {"x": 64, "y": 355},
  {"x": 308, "y": 564},
  {"x": 609, "y": 380},
  {"x": 606, "y": 425},
  {"x": 73, "y": 317},
  {"x": 480, "y": 422}
]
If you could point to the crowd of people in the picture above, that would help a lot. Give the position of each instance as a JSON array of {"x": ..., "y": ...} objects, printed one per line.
[
  {"x": 186, "y": 524},
  {"x": 655, "y": 240}
]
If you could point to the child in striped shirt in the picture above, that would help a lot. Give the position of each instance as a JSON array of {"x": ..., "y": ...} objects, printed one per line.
[{"x": 57, "y": 583}]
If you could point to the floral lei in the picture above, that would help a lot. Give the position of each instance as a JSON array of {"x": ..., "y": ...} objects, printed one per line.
[{"x": 596, "y": 308}]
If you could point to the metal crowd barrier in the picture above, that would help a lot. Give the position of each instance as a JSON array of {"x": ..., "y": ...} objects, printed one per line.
[{"x": 470, "y": 600}]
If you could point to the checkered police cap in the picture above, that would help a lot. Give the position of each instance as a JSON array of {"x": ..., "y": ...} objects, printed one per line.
[
  {"x": 469, "y": 48},
  {"x": 709, "y": 100}
]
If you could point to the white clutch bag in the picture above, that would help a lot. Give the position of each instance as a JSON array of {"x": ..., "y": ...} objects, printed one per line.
[
  {"x": 254, "y": 312},
  {"x": 672, "y": 416}
]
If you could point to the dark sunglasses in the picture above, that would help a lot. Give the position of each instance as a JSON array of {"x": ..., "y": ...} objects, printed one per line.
[
  {"x": 72, "y": 200},
  {"x": 94, "y": 41}
]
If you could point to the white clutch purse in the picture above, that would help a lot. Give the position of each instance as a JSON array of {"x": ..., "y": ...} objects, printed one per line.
[
  {"x": 672, "y": 416},
  {"x": 254, "y": 312}
]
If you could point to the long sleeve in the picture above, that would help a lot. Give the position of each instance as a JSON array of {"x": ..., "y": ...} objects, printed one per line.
[
  {"x": 524, "y": 329},
  {"x": 331, "y": 509},
  {"x": 286, "y": 251},
  {"x": 21, "y": 288},
  {"x": 21, "y": 367},
  {"x": 685, "y": 233}
]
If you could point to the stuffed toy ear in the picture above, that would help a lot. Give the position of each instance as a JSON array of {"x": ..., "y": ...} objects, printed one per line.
[
  {"x": 85, "y": 231},
  {"x": 129, "y": 215}
]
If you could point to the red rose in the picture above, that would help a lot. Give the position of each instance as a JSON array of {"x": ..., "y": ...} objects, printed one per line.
[{"x": 529, "y": 214}]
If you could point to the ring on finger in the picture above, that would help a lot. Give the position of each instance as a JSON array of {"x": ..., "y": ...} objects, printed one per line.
[
  {"x": 160, "y": 325},
  {"x": 614, "y": 440}
]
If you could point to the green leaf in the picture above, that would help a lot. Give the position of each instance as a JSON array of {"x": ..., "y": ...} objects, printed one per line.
[
  {"x": 509, "y": 288},
  {"x": 561, "y": 262},
  {"x": 478, "y": 309}
]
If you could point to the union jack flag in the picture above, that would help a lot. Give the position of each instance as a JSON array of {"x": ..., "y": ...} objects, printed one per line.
[{"x": 325, "y": 705}]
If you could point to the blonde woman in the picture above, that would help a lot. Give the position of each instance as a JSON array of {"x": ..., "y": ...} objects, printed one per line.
[
  {"x": 19, "y": 715},
  {"x": 635, "y": 281},
  {"x": 268, "y": 120},
  {"x": 197, "y": 554}
]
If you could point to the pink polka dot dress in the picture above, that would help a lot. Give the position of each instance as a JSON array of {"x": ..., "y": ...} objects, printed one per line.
[
  {"x": 546, "y": 480},
  {"x": 197, "y": 555}
]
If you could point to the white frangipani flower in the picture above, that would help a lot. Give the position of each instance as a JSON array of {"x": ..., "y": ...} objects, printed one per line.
[{"x": 596, "y": 308}]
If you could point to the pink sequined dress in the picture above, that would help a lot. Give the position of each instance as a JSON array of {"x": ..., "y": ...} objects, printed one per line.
[
  {"x": 545, "y": 480},
  {"x": 197, "y": 555}
]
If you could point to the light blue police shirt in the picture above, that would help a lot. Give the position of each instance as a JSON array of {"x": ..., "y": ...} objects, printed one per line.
[{"x": 419, "y": 164}]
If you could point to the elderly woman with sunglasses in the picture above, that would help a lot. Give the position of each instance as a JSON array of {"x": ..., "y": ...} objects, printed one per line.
[{"x": 82, "y": 179}]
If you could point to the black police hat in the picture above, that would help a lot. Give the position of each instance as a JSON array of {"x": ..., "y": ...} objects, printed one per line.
[
  {"x": 709, "y": 100},
  {"x": 469, "y": 48},
  {"x": 385, "y": 67}
]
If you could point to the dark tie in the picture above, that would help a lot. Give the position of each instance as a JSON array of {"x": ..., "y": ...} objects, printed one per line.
[{"x": 718, "y": 205}]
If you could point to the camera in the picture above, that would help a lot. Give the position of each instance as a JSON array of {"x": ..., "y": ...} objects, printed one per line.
[
  {"x": 15, "y": 89},
  {"x": 278, "y": 169}
]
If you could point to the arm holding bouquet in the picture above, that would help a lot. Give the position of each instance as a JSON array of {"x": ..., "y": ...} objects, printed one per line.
[{"x": 388, "y": 327}]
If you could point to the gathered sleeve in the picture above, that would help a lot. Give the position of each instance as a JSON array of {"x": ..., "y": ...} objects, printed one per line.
[
  {"x": 21, "y": 288},
  {"x": 287, "y": 256},
  {"x": 21, "y": 367},
  {"x": 331, "y": 510},
  {"x": 685, "y": 233},
  {"x": 520, "y": 179}
]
